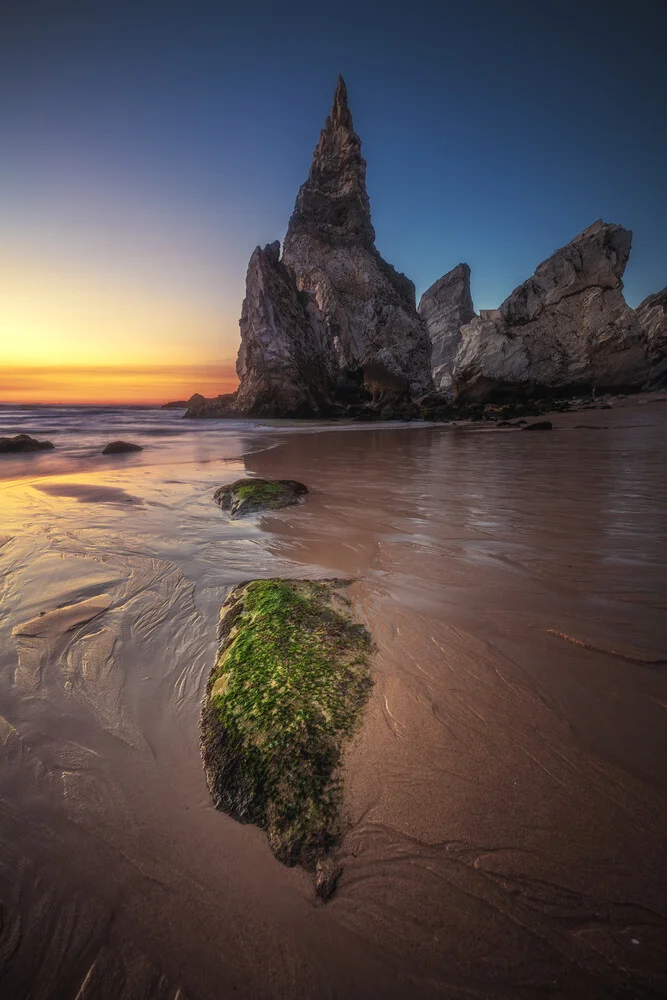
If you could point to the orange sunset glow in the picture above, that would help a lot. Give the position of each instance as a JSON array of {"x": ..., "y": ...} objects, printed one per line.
[
  {"x": 69, "y": 336},
  {"x": 113, "y": 383}
]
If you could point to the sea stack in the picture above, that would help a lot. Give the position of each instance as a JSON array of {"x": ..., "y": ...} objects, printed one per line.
[
  {"x": 330, "y": 327},
  {"x": 566, "y": 329}
]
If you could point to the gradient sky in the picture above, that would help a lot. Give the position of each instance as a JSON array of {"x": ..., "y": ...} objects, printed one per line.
[{"x": 148, "y": 146}]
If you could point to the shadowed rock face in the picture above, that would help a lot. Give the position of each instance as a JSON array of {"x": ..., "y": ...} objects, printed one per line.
[
  {"x": 280, "y": 358},
  {"x": 445, "y": 307},
  {"x": 567, "y": 327},
  {"x": 652, "y": 317},
  {"x": 331, "y": 325}
]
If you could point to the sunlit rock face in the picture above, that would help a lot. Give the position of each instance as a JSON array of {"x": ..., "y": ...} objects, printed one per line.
[
  {"x": 566, "y": 328},
  {"x": 446, "y": 307},
  {"x": 331, "y": 324},
  {"x": 652, "y": 316}
]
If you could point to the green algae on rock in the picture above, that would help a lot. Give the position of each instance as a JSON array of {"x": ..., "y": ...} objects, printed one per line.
[
  {"x": 288, "y": 688},
  {"x": 249, "y": 496}
]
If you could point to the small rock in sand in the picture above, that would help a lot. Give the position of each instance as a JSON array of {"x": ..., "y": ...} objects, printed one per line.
[
  {"x": 23, "y": 443},
  {"x": 121, "y": 447},
  {"x": 541, "y": 425},
  {"x": 249, "y": 496}
]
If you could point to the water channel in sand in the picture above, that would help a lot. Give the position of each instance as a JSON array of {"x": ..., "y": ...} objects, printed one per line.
[{"x": 506, "y": 795}]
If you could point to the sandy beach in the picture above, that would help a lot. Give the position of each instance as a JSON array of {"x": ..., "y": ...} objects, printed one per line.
[{"x": 507, "y": 794}]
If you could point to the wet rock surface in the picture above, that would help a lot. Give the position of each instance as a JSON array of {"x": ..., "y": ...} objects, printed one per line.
[
  {"x": 287, "y": 689},
  {"x": 121, "y": 448},
  {"x": 23, "y": 443},
  {"x": 252, "y": 496}
]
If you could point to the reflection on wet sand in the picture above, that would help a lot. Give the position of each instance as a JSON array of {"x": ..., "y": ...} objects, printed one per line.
[{"x": 506, "y": 795}]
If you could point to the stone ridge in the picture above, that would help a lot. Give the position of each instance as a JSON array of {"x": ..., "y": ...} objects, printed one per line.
[{"x": 565, "y": 329}]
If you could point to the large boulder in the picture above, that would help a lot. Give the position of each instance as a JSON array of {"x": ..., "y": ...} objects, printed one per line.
[
  {"x": 568, "y": 328},
  {"x": 652, "y": 317},
  {"x": 446, "y": 307}
]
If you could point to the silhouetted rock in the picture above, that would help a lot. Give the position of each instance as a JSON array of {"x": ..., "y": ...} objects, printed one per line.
[
  {"x": 120, "y": 448},
  {"x": 250, "y": 496},
  {"x": 445, "y": 307},
  {"x": 219, "y": 406},
  {"x": 179, "y": 404},
  {"x": 540, "y": 425},
  {"x": 23, "y": 443},
  {"x": 568, "y": 327}
]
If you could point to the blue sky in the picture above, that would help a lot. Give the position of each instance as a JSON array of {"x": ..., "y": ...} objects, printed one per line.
[{"x": 148, "y": 147}]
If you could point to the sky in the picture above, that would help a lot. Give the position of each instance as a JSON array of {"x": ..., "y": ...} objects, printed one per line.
[{"x": 147, "y": 147}]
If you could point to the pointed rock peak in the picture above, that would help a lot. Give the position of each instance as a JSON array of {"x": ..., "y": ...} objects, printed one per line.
[
  {"x": 333, "y": 203},
  {"x": 340, "y": 111}
]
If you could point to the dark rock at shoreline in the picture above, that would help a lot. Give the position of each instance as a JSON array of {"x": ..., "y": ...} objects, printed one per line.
[
  {"x": 179, "y": 404},
  {"x": 250, "y": 496},
  {"x": 120, "y": 448},
  {"x": 541, "y": 425},
  {"x": 23, "y": 443},
  {"x": 219, "y": 406},
  {"x": 568, "y": 327}
]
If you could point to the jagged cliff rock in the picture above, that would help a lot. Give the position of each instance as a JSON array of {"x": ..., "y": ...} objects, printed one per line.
[
  {"x": 331, "y": 327},
  {"x": 363, "y": 310},
  {"x": 280, "y": 359},
  {"x": 445, "y": 307},
  {"x": 652, "y": 316},
  {"x": 567, "y": 328}
]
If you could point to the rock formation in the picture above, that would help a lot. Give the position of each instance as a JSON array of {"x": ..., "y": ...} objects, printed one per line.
[
  {"x": 280, "y": 362},
  {"x": 568, "y": 328},
  {"x": 652, "y": 316},
  {"x": 332, "y": 327},
  {"x": 445, "y": 307}
]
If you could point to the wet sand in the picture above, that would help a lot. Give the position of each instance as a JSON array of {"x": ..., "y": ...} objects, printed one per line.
[{"x": 506, "y": 795}]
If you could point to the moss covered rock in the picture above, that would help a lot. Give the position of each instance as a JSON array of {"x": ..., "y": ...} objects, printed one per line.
[
  {"x": 287, "y": 689},
  {"x": 249, "y": 496}
]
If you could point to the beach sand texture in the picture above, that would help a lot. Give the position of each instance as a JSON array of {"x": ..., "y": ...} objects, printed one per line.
[{"x": 506, "y": 795}]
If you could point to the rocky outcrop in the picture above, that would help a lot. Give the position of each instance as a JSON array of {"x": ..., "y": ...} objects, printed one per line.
[
  {"x": 121, "y": 448},
  {"x": 361, "y": 309},
  {"x": 568, "y": 328},
  {"x": 331, "y": 328},
  {"x": 652, "y": 317},
  {"x": 446, "y": 307},
  {"x": 23, "y": 443},
  {"x": 251, "y": 496},
  {"x": 280, "y": 363}
]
